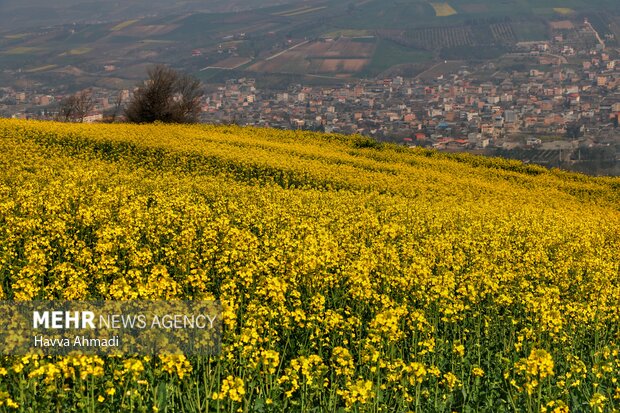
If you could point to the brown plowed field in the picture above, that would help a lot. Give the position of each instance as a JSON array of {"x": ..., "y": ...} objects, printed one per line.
[{"x": 341, "y": 55}]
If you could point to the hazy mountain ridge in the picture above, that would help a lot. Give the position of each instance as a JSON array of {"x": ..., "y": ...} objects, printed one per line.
[{"x": 15, "y": 15}]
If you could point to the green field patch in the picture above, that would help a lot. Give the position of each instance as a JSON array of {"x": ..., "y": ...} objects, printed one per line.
[
  {"x": 474, "y": 8},
  {"x": 379, "y": 14},
  {"x": 488, "y": 52},
  {"x": 543, "y": 11},
  {"x": 348, "y": 33},
  {"x": 530, "y": 31},
  {"x": 389, "y": 54},
  {"x": 365, "y": 39},
  {"x": 201, "y": 27}
]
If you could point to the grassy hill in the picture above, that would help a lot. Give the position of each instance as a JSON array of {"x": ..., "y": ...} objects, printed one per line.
[{"x": 353, "y": 275}]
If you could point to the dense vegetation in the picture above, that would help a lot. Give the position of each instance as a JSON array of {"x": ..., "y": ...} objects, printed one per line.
[{"x": 354, "y": 276}]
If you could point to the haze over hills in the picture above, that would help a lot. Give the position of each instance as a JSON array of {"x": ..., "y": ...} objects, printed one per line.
[{"x": 15, "y": 14}]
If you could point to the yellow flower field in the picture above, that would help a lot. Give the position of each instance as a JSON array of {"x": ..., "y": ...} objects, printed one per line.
[
  {"x": 443, "y": 9},
  {"x": 354, "y": 276}
]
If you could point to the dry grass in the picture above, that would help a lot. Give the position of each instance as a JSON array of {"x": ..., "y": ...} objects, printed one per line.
[
  {"x": 563, "y": 10},
  {"x": 342, "y": 65},
  {"x": 23, "y": 50},
  {"x": 80, "y": 51},
  {"x": 562, "y": 25},
  {"x": 443, "y": 9},
  {"x": 41, "y": 68},
  {"x": 17, "y": 36},
  {"x": 124, "y": 24}
]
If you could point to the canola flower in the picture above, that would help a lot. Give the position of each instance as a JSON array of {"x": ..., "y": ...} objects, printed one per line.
[{"x": 352, "y": 278}]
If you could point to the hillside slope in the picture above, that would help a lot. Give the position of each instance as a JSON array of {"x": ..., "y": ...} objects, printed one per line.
[{"x": 353, "y": 275}]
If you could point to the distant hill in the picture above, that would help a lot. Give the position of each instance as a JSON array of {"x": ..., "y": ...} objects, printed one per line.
[
  {"x": 111, "y": 42},
  {"x": 16, "y": 14}
]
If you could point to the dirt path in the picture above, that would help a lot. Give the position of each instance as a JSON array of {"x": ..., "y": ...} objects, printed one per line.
[{"x": 287, "y": 50}]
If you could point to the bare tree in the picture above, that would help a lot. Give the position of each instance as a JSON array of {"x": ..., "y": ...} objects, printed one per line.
[
  {"x": 167, "y": 96},
  {"x": 74, "y": 108},
  {"x": 85, "y": 103},
  {"x": 188, "y": 98},
  {"x": 117, "y": 108},
  {"x": 66, "y": 109}
]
